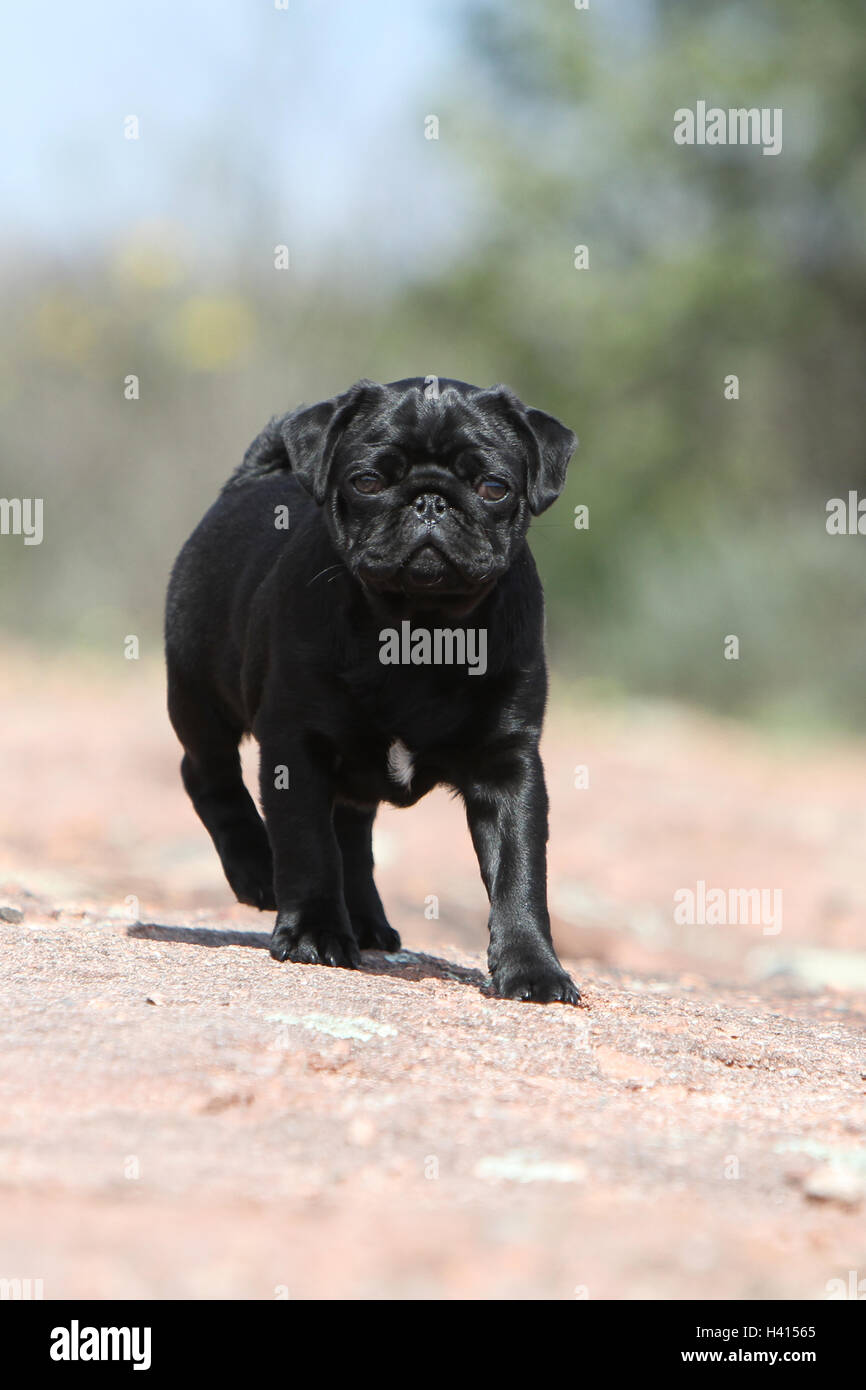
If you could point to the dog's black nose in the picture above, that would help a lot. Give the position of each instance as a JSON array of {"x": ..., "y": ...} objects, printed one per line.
[{"x": 430, "y": 506}]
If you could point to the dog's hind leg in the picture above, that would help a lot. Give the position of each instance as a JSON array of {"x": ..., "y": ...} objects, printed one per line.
[
  {"x": 354, "y": 831},
  {"x": 211, "y": 772}
]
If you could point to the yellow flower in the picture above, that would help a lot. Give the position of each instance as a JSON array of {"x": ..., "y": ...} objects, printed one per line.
[{"x": 210, "y": 332}]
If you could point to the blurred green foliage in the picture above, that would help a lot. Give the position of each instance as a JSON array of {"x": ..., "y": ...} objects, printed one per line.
[{"x": 707, "y": 516}]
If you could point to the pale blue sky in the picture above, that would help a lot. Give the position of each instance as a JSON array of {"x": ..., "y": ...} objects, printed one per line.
[{"x": 306, "y": 123}]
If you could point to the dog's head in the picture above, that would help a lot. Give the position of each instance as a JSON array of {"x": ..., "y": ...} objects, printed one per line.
[{"x": 428, "y": 486}]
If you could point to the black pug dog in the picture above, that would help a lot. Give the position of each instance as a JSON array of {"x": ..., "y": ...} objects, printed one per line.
[{"x": 361, "y": 598}]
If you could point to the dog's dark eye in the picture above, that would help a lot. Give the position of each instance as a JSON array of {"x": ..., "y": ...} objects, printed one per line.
[
  {"x": 368, "y": 483},
  {"x": 492, "y": 490}
]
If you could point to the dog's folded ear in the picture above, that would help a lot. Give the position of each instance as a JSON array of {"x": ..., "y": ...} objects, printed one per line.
[
  {"x": 303, "y": 441},
  {"x": 549, "y": 444},
  {"x": 554, "y": 444},
  {"x": 311, "y": 434}
]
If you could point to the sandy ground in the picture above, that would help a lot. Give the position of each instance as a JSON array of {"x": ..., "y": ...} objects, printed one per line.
[{"x": 184, "y": 1118}]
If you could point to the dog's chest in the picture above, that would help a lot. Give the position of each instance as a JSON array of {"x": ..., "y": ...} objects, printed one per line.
[
  {"x": 401, "y": 764},
  {"x": 403, "y": 736},
  {"x": 381, "y": 770}
]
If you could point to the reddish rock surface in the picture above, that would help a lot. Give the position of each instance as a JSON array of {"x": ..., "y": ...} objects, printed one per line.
[{"x": 184, "y": 1118}]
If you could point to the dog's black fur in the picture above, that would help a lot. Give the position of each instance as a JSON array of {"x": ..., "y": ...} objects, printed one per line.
[{"x": 406, "y": 501}]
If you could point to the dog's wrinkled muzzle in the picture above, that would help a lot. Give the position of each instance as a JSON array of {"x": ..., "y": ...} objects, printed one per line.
[{"x": 427, "y": 568}]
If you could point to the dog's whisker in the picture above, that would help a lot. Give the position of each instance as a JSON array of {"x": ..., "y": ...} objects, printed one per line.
[{"x": 324, "y": 571}]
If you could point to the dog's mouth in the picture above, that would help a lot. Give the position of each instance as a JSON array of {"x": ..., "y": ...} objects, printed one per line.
[
  {"x": 427, "y": 568},
  {"x": 427, "y": 579}
]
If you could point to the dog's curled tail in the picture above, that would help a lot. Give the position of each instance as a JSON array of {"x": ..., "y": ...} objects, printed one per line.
[{"x": 267, "y": 454}]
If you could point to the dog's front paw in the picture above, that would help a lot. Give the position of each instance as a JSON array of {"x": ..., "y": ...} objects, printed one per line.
[
  {"x": 538, "y": 980},
  {"x": 308, "y": 945},
  {"x": 254, "y": 893},
  {"x": 251, "y": 877},
  {"x": 374, "y": 934}
]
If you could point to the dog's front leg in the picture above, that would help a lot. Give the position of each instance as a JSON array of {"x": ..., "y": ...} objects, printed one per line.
[
  {"x": 312, "y": 926},
  {"x": 507, "y": 814}
]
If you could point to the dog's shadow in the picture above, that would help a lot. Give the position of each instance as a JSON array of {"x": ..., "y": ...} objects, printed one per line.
[{"x": 402, "y": 964}]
